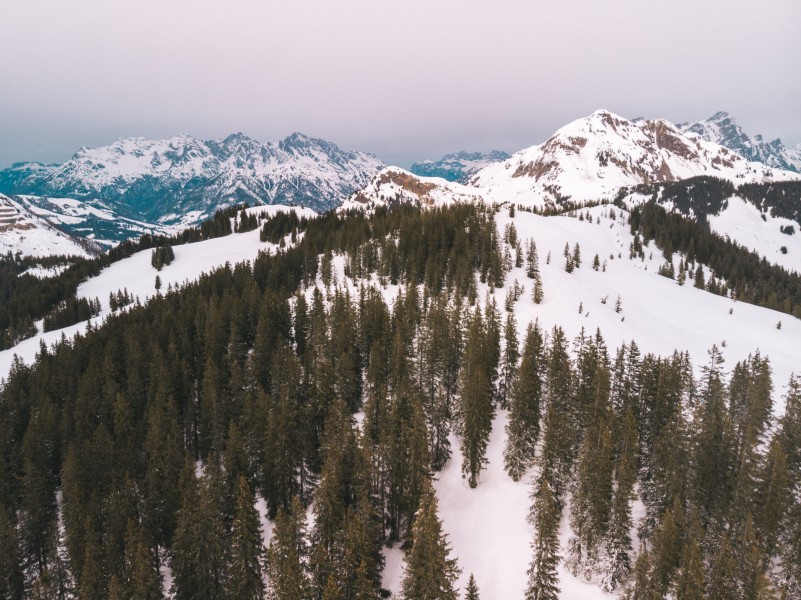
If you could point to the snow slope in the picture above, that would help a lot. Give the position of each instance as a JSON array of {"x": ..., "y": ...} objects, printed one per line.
[
  {"x": 138, "y": 276},
  {"x": 30, "y": 234},
  {"x": 488, "y": 526},
  {"x": 592, "y": 158},
  {"x": 743, "y": 223}
]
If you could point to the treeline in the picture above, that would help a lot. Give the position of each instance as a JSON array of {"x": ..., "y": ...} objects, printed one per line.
[
  {"x": 25, "y": 298},
  {"x": 71, "y": 311},
  {"x": 748, "y": 277}
]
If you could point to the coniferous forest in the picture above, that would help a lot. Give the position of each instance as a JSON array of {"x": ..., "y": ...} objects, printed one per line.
[{"x": 134, "y": 457}]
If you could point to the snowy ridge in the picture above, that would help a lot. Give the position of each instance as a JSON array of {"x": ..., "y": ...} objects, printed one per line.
[
  {"x": 723, "y": 129},
  {"x": 591, "y": 158},
  {"x": 28, "y": 233},
  {"x": 394, "y": 185},
  {"x": 160, "y": 181}
]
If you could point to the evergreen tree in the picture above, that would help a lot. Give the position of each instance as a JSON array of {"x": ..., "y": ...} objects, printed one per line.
[
  {"x": 523, "y": 428},
  {"x": 11, "y": 579},
  {"x": 722, "y": 582},
  {"x": 471, "y": 593},
  {"x": 288, "y": 554},
  {"x": 244, "y": 569},
  {"x": 543, "y": 579},
  {"x": 429, "y": 573},
  {"x": 690, "y": 582},
  {"x": 476, "y": 407},
  {"x": 198, "y": 564},
  {"x": 511, "y": 354}
]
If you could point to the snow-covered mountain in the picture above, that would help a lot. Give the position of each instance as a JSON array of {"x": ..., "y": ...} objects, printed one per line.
[
  {"x": 394, "y": 185},
  {"x": 459, "y": 166},
  {"x": 593, "y": 157},
  {"x": 722, "y": 128},
  {"x": 25, "y": 232},
  {"x": 184, "y": 179},
  {"x": 93, "y": 221}
]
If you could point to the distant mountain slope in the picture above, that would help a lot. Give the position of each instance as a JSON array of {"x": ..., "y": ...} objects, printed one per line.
[
  {"x": 459, "y": 166},
  {"x": 722, "y": 128},
  {"x": 394, "y": 185},
  {"x": 88, "y": 220},
  {"x": 765, "y": 218},
  {"x": 183, "y": 180},
  {"x": 591, "y": 158},
  {"x": 29, "y": 234}
]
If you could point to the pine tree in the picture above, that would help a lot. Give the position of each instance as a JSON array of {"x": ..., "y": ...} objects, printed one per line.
[
  {"x": 543, "y": 579},
  {"x": 11, "y": 579},
  {"x": 722, "y": 582},
  {"x": 471, "y": 593},
  {"x": 244, "y": 568},
  {"x": 476, "y": 407},
  {"x": 523, "y": 428},
  {"x": 511, "y": 354},
  {"x": 288, "y": 554},
  {"x": 429, "y": 573},
  {"x": 198, "y": 563},
  {"x": 690, "y": 583}
]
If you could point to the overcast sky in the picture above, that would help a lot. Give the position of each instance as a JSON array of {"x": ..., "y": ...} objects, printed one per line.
[{"x": 404, "y": 80}]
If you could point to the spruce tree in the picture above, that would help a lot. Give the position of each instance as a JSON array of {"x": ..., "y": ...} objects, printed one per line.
[
  {"x": 523, "y": 427},
  {"x": 11, "y": 579},
  {"x": 511, "y": 354},
  {"x": 476, "y": 406},
  {"x": 429, "y": 573},
  {"x": 198, "y": 563},
  {"x": 245, "y": 551},
  {"x": 471, "y": 592},
  {"x": 288, "y": 555},
  {"x": 543, "y": 579}
]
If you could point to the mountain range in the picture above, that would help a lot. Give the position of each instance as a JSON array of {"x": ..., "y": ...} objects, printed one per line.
[
  {"x": 137, "y": 186},
  {"x": 459, "y": 166},
  {"x": 722, "y": 128},
  {"x": 183, "y": 180}
]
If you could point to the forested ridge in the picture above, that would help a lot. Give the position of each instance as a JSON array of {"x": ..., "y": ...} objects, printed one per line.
[
  {"x": 152, "y": 436},
  {"x": 25, "y": 298}
]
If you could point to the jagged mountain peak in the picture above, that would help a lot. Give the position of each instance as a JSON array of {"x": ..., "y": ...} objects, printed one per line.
[
  {"x": 171, "y": 180},
  {"x": 723, "y": 128},
  {"x": 592, "y": 157}
]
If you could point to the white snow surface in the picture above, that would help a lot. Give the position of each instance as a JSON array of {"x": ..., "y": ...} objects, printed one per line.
[
  {"x": 488, "y": 526},
  {"x": 742, "y": 222}
]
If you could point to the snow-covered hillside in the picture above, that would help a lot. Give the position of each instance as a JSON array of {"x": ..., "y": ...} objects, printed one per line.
[
  {"x": 29, "y": 233},
  {"x": 487, "y": 526},
  {"x": 183, "y": 180},
  {"x": 722, "y": 128},
  {"x": 591, "y": 158}
]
